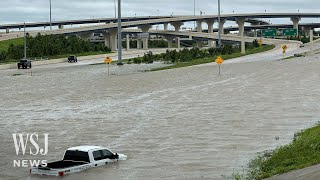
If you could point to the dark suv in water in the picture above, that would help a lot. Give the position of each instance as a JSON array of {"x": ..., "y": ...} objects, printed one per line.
[
  {"x": 24, "y": 64},
  {"x": 72, "y": 59}
]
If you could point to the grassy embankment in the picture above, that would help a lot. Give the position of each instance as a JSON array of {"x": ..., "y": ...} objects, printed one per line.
[
  {"x": 211, "y": 59},
  {"x": 304, "y": 151}
]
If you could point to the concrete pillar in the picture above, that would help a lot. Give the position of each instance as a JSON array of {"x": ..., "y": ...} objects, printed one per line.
[
  {"x": 128, "y": 42},
  {"x": 306, "y": 30},
  {"x": 165, "y": 26},
  {"x": 170, "y": 41},
  {"x": 139, "y": 44},
  {"x": 7, "y": 30},
  {"x": 107, "y": 42},
  {"x": 199, "y": 25},
  {"x": 240, "y": 22},
  {"x": 177, "y": 25},
  {"x": 210, "y": 23},
  {"x": 311, "y": 38},
  {"x": 145, "y": 43},
  {"x": 145, "y": 29},
  {"x": 60, "y": 27},
  {"x": 295, "y": 21},
  {"x": 255, "y": 31},
  {"x": 178, "y": 42},
  {"x": 114, "y": 39},
  {"x": 221, "y": 29},
  {"x": 199, "y": 44}
]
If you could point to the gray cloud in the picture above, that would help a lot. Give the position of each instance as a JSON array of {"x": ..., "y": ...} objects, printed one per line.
[{"x": 38, "y": 10}]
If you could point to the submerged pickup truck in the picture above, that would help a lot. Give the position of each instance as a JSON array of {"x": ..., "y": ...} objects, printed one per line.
[{"x": 78, "y": 159}]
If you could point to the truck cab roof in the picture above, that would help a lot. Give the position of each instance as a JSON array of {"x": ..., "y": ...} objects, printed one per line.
[{"x": 85, "y": 148}]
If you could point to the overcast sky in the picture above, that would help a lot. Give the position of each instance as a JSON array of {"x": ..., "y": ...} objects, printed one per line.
[{"x": 13, "y": 11}]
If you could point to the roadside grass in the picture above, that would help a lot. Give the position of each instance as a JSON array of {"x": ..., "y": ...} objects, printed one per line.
[
  {"x": 302, "y": 152},
  {"x": 211, "y": 59},
  {"x": 17, "y": 74},
  {"x": 290, "y": 57},
  {"x": 4, "y": 45}
]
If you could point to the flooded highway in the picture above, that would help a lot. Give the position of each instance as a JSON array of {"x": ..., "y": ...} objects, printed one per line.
[{"x": 186, "y": 123}]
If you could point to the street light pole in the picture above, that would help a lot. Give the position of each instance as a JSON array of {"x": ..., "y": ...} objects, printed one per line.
[
  {"x": 115, "y": 9},
  {"x": 219, "y": 19},
  {"x": 194, "y": 12},
  {"x": 50, "y": 17},
  {"x": 25, "y": 42},
  {"x": 119, "y": 35}
]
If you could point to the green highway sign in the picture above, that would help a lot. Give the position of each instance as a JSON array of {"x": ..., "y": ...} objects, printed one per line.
[
  {"x": 290, "y": 32},
  {"x": 269, "y": 32}
]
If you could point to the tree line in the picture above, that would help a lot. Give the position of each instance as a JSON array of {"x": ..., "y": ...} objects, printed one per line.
[{"x": 51, "y": 45}]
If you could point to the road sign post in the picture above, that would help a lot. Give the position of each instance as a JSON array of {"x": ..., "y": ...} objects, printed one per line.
[
  {"x": 108, "y": 60},
  {"x": 219, "y": 61},
  {"x": 269, "y": 32},
  {"x": 260, "y": 42},
  {"x": 284, "y": 49}
]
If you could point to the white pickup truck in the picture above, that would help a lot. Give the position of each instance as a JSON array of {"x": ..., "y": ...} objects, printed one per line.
[{"x": 78, "y": 159}]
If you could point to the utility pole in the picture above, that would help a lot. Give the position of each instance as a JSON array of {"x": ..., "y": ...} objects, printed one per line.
[
  {"x": 219, "y": 19},
  {"x": 25, "y": 41},
  {"x": 119, "y": 35},
  {"x": 50, "y": 17},
  {"x": 115, "y": 9},
  {"x": 194, "y": 12}
]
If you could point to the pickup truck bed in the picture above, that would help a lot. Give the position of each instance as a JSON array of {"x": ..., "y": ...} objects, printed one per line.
[{"x": 63, "y": 164}]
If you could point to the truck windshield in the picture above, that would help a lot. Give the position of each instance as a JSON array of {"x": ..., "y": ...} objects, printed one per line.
[{"x": 76, "y": 156}]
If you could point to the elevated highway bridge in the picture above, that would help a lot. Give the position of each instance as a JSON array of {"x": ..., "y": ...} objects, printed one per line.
[{"x": 145, "y": 25}]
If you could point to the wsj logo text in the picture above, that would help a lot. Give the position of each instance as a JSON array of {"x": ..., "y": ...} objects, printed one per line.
[{"x": 28, "y": 144}]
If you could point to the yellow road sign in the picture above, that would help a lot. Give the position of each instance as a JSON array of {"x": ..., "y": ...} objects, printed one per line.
[
  {"x": 108, "y": 60},
  {"x": 219, "y": 60},
  {"x": 260, "y": 42},
  {"x": 284, "y": 47}
]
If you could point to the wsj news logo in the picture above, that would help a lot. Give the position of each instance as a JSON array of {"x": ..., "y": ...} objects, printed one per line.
[{"x": 32, "y": 148}]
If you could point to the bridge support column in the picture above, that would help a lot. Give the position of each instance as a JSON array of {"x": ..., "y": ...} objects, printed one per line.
[
  {"x": 177, "y": 26},
  {"x": 240, "y": 22},
  {"x": 311, "y": 38},
  {"x": 106, "y": 37},
  {"x": 114, "y": 39},
  {"x": 295, "y": 21},
  {"x": 139, "y": 44},
  {"x": 199, "y": 44},
  {"x": 178, "y": 42},
  {"x": 255, "y": 31},
  {"x": 199, "y": 26},
  {"x": 170, "y": 41},
  {"x": 221, "y": 29},
  {"x": 60, "y": 26},
  {"x": 165, "y": 26},
  {"x": 145, "y": 29},
  {"x": 7, "y": 30},
  {"x": 210, "y": 23},
  {"x": 306, "y": 30},
  {"x": 128, "y": 42}
]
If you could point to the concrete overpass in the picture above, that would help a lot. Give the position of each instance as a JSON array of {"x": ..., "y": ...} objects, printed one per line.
[
  {"x": 110, "y": 30},
  {"x": 77, "y": 22}
]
